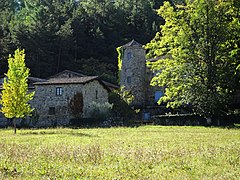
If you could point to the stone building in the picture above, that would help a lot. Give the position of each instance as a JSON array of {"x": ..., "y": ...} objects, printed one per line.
[
  {"x": 135, "y": 76},
  {"x": 52, "y": 97}
]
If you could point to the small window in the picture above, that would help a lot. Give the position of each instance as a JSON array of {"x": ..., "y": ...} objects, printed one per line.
[
  {"x": 51, "y": 111},
  {"x": 96, "y": 94},
  {"x": 158, "y": 95},
  {"x": 69, "y": 75},
  {"x": 129, "y": 79},
  {"x": 129, "y": 55},
  {"x": 59, "y": 91}
]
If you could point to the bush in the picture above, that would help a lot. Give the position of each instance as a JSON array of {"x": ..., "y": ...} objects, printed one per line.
[
  {"x": 120, "y": 109},
  {"x": 100, "y": 112}
]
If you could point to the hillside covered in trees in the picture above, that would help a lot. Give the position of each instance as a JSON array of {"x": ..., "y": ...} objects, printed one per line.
[{"x": 74, "y": 34}]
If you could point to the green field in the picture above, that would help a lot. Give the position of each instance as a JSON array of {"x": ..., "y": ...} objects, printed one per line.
[{"x": 148, "y": 152}]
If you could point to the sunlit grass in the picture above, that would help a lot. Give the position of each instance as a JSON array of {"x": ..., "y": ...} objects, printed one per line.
[{"x": 150, "y": 152}]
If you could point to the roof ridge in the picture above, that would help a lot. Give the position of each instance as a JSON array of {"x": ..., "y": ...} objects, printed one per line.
[{"x": 133, "y": 43}]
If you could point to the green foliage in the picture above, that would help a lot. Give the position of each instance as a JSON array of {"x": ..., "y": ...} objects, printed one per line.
[
  {"x": 125, "y": 95},
  {"x": 149, "y": 152},
  {"x": 121, "y": 100},
  {"x": 120, "y": 57},
  {"x": 120, "y": 52},
  {"x": 102, "y": 69},
  {"x": 100, "y": 111},
  {"x": 199, "y": 46},
  {"x": 58, "y": 35},
  {"x": 15, "y": 97}
]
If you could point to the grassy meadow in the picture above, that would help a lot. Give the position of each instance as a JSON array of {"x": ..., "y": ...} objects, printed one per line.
[{"x": 147, "y": 152}]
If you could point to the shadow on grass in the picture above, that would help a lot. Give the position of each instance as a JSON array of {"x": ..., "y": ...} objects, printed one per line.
[
  {"x": 79, "y": 134},
  {"x": 234, "y": 126}
]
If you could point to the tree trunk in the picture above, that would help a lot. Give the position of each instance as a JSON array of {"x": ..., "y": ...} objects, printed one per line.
[{"x": 14, "y": 125}]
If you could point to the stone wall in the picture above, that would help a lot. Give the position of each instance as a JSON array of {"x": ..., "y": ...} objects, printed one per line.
[
  {"x": 46, "y": 98},
  {"x": 132, "y": 75}
]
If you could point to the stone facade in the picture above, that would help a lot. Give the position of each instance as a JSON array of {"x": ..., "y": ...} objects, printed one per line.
[
  {"x": 52, "y": 97},
  {"x": 135, "y": 76},
  {"x": 132, "y": 75},
  {"x": 53, "y": 108}
]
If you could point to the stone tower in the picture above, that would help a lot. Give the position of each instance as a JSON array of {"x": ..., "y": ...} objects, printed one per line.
[{"x": 132, "y": 75}]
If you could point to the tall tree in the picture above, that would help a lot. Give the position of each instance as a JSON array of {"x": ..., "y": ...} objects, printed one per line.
[
  {"x": 59, "y": 34},
  {"x": 199, "y": 46},
  {"x": 15, "y": 96},
  {"x": 7, "y": 9}
]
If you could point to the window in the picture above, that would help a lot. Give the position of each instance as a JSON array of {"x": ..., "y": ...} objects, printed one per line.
[
  {"x": 51, "y": 111},
  {"x": 59, "y": 91},
  {"x": 158, "y": 95},
  {"x": 96, "y": 94},
  {"x": 129, "y": 79},
  {"x": 129, "y": 55}
]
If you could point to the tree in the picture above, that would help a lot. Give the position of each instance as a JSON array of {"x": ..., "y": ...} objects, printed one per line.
[
  {"x": 59, "y": 34},
  {"x": 15, "y": 96},
  {"x": 7, "y": 9},
  {"x": 199, "y": 46}
]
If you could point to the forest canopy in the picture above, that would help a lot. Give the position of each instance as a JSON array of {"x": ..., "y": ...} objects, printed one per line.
[{"x": 74, "y": 34}]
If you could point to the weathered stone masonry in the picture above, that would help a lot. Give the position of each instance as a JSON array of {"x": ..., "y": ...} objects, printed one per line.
[
  {"x": 52, "y": 97},
  {"x": 135, "y": 76},
  {"x": 47, "y": 100}
]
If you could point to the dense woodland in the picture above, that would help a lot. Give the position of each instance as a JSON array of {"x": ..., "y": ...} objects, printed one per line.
[{"x": 79, "y": 35}]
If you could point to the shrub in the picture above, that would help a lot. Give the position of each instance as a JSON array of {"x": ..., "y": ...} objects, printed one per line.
[
  {"x": 100, "y": 111},
  {"x": 121, "y": 109}
]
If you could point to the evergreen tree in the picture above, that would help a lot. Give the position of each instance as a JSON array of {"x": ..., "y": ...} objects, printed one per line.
[
  {"x": 58, "y": 35},
  {"x": 15, "y": 96}
]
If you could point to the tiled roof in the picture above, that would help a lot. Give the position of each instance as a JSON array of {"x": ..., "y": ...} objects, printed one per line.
[
  {"x": 75, "y": 80},
  {"x": 133, "y": 43},
  {"x": 35, "y": 79},
  {"x": 79, "y": 74},
  {"x": 31, "y": 81},
  {"x": 68, "y": 71},
  {"x": 110, "y": 85}
]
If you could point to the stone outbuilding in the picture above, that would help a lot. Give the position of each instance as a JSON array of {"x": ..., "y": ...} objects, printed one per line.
[
  {"x": 52, "y": 98},
  {"x": 53, "y": 95}
]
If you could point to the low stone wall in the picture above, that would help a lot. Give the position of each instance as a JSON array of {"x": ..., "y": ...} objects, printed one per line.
[
  {"x": 194, "y": 120},
  {"x": 4, "y": 122},
  {"x": 179, "y": 120}
]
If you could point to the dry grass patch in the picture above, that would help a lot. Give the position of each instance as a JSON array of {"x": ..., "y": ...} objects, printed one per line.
[{"x": 150, "y": 152}]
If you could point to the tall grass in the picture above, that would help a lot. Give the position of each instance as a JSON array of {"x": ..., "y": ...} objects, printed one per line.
[{"x": 150, "y": 152}]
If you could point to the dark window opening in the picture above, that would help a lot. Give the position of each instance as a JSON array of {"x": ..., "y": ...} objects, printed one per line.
[
  {"x": 129, "y": 80},
  {"x": 96, "y": 94},
  {"x": 129, "y": 55},
  {"x": 51, "y": 111}
]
